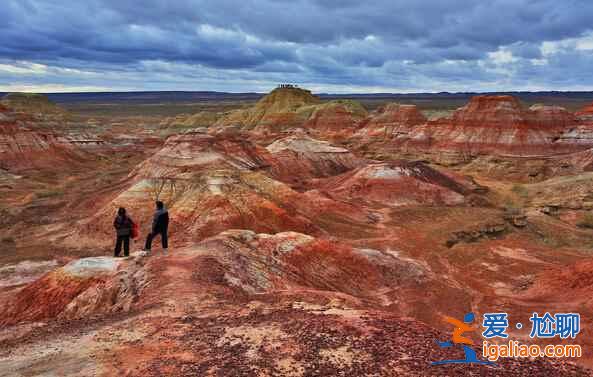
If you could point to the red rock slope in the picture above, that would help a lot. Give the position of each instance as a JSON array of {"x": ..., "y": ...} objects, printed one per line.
[
  {"x": 487, "y": 125},
  {"x": 213, "y": 183},
  {"x": 27, "y": 143},
  {"x": 496, "y": 124},
  {"x": 390, "y": 120},
  {"x": 237, "y": 304}
]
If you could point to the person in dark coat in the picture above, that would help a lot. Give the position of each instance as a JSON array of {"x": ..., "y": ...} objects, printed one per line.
[
  {"x": 123, "y": 227},
  {"x": 160, "y": 225}
]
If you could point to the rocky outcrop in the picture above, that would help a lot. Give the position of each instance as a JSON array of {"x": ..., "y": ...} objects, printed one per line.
[
  {"x": 498, "y": 124},
  {"x": 335, "y": 119},
  {"x": 494, "y": 125},
  {"x": 27, "y": 143},
  {"x": 477, "y": 232},
  {"x": 290, "y": 108},
  {"x": 88, "y": 286},
  {"x": 191, "y": 152},
  {"x": 33, "y": 104},
  {"x": 293, "y": 260},
  {"x": 214, "y": 183},
  {"x": 567, "y": 192},
  {"x": 276, "y": 111},
  {"x": 300, "y": 158},
  {"x": 289, "y": 159},
  {"x": 242, "y": 303},
  {"x": 390, "y": 120},
  {"x": 580, "y": 134},
  {"x": 397, "y": 184}
]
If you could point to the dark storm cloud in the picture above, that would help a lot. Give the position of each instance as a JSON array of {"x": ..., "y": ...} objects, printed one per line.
[{"x": 343, "y": 42}]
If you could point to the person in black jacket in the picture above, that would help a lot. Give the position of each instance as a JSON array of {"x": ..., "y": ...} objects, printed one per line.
[
  {"x": 123, "y": 227},
  {"x": 160, "y": 225}
]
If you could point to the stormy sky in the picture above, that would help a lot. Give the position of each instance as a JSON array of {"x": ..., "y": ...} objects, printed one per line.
[{"x": 334, "y": 46}]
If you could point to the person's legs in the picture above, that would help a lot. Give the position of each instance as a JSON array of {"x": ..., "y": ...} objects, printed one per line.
[
  {"x": 118, "y": 242},
  {"x": 148, "y": 244},
  {"x": 126, "y": 246},
  {"x": 165, "y": 241}
]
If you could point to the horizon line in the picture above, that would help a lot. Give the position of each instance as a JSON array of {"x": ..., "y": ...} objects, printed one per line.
[{"x": 317, "y": 93}]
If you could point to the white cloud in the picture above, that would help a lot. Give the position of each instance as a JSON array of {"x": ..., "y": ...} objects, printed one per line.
[
  {"x": 24, "y": 68},
  {"x": 53, "y": 88},
  {"x": 502, "y": 56},
  {"x": 584, "y": 43}
]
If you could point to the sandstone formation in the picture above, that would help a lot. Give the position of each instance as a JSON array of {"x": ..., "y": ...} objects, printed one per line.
[
  {"x": 581, "y": 133},
  {"x": 496, "y": 124},
  {"x": 289, "y": 108},
  {"x": 390, "y": 120},
  {"x": 293, "y": 255},
  {"x": 83, "y": 287},
  {"x": 275, "y": 111},
  {"x": 241, "y": 303},
  {"x": 487, "y": 125},
  {"x": 214, "y": 183},
  {"x": 299, "y": 158},
  {"x": 396, "y": 184},
  {"x": 335, "y": 119},
  {"x": 31, "y": 103},
  {"x": 25, "y": 143}
]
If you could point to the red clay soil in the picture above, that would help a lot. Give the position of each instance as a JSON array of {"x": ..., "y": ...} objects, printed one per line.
[
  {"x": 43, "y": 299},
  {"x": 26, "y": 143},
  {"x": 387, "y": 120},
  {"x": 292, "y": 256},
  {"x": 245, "y": 304},
  {"x": 213, "y": 183}
]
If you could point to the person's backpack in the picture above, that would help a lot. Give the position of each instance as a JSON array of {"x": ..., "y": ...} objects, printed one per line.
[{"x": 135, "y": 231}]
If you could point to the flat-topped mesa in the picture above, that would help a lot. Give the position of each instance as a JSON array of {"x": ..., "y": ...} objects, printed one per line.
[
  {"x": 489, "y": 111},
  {"x": 275, "y": 111},
  {"x": 284, "y": 99},
  {"x": 26, "y": 142},
  {"x": 507, "y": 112},
  {"x": 335, "y": 119},
  {"x": 391, "y": 119},
  {"x": 32, "y": 103},
  {"x": 495, "y": 125},
  {"x": 289, "y": 107}
]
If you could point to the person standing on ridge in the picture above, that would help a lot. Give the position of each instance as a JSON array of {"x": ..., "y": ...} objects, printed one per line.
[
  {"x": 123, "y": 225},
  {"x": 160, "y": 225}
]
